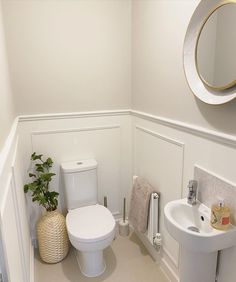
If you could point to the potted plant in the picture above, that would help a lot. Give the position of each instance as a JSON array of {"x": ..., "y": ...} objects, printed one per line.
[{"x": 51, "y": 227}]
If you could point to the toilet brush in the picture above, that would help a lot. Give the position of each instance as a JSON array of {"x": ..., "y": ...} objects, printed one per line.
[
  {"x": 123, "y": 223},
  {"x": 105, "y": 201}
]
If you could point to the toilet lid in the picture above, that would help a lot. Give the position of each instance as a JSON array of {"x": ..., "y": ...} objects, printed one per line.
[{"x": 91, "y": 223}]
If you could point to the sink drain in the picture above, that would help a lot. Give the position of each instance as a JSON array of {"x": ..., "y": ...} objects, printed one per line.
[{"x": 194, "y": 229}]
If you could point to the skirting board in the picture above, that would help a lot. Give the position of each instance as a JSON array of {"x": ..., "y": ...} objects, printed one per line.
[
  {"x": 166, "y": 265},
  {"x": 162, "y": 259},
  {"x": 151, "y": 250},
  {"x": 154, "y": 254},
  {"x": 169, "y": 268}
]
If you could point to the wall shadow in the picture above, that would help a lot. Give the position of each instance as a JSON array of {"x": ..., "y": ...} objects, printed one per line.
[{"x": 220, "y": 117}]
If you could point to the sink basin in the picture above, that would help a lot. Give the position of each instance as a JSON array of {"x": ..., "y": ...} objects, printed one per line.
[
  {"x": 199, "y": 242},
  {"x": 190, "y": 226}
]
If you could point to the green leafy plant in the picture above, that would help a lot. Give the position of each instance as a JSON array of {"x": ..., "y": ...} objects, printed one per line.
[{"x": 42, "y": 176}]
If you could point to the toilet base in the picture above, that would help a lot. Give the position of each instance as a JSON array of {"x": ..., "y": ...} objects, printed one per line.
[{"x": 91, "y": 264}]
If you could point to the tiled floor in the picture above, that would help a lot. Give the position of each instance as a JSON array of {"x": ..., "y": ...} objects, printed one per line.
[{"x": 127, "y": 261}]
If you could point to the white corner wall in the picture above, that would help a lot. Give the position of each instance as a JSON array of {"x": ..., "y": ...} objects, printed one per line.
[
  {"x": 167, "y": 115},
  {"x": 158, "y": 80},
  {"x": 69, "y": 56}
]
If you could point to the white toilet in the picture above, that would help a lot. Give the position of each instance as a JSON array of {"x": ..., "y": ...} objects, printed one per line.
[{"x": 90, "y": 226}]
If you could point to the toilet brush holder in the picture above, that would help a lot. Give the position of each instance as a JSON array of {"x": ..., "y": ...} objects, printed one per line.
[
  {"x": 124, "y": 228},
  {"x": 123, "y": 223}
]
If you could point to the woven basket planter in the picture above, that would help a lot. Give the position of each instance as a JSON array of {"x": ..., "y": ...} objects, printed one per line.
[{"x": 52, "y": 237}]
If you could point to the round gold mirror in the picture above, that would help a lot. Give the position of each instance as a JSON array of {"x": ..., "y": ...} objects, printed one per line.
[
  {"x": 209, "y": 51},
  {"x": 216, "y": 48}
]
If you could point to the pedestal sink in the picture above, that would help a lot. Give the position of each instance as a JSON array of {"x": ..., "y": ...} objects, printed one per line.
[{"x": 199, "y": 242}]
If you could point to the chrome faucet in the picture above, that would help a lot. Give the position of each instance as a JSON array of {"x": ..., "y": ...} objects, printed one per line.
[{"x": 192, "y": 192}]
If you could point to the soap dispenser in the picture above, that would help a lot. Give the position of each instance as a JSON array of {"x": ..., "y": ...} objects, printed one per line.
[{"x": 220, "y": 216}]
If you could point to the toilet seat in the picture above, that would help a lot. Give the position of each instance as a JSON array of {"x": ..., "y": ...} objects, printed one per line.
[{"x": 90, "y": 224}]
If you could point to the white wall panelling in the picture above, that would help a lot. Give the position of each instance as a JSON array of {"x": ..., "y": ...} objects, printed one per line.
[
  {"x": 160, "y": 149},
  {"x": 72, "y": 115},
  {"x": 213, "y": 135},
  {"x": 10, "y": 235},
  {"x": 101, "y": 143},
  {"x": 160, "y": 159},
  {"x": 22, "y": 216},
  {"x": 155, "y": 158},
  {"x": 105, "y": 136},
  {"x": 6, "y": 154},
  {"x": 17, "y": 252}
]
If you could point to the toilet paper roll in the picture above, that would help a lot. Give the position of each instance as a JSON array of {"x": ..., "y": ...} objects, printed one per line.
[{"x": 124, "y": 228}]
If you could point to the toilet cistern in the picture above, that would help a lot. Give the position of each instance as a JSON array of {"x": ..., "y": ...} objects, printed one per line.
[{"x": 192, "y": 192}]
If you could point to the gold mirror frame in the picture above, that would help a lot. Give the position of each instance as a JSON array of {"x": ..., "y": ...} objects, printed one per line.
[
  {"x": 198, "y": 86},
  {"x": 224, "y": 87}
]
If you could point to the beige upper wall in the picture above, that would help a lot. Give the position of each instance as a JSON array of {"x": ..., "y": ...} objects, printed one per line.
[
  {"x": 75, "y": 56},
  {"x": 159, "y": 84},
  {"x": 7, "y": 112},
  {"x": 68, "y": 56}
]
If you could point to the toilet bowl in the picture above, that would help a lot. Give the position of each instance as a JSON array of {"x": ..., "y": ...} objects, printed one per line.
[{"x": 91, "y": 229}]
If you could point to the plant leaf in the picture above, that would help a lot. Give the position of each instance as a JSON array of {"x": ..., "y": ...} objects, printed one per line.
[
  {"x": 40, "y": 169},
  {"x": 49, "y": 162},
  {"x": 26, "y": 188},
  {"x": 47, "y": 176},
  {"x": 35, "y": 157}
]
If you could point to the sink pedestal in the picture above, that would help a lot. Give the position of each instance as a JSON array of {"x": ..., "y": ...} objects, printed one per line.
[{"x": 196, "y": 267}]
